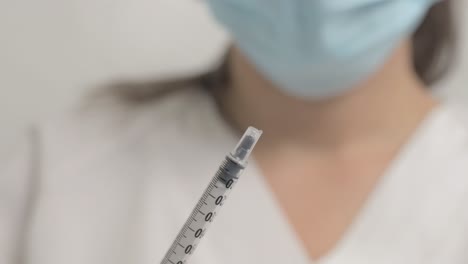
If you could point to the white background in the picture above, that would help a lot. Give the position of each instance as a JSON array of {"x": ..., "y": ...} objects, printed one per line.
[{"x": 52, "y": 51}]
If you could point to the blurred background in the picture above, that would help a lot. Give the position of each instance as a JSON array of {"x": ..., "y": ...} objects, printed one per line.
[{"x": 54, "y": 51}]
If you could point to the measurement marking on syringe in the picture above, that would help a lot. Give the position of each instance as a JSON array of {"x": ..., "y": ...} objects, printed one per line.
[{"x": 212, "y": 200}]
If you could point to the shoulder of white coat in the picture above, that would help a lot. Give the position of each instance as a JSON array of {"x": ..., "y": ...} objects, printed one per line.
[
  {"x": 459, "y": 115},
  {"x": 460, "y": 169},
  {"x": 458, "y": 164},
  {"x": 459, "y": 111},
  {"x": 456, "y": 136},
  {"x": 107, "y": 125}
]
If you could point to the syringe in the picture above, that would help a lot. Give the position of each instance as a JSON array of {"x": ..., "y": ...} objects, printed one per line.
[{"x": 212, "y": 199}]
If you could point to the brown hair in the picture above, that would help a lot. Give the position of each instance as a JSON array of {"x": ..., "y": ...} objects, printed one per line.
[
  {"x": 433, "y": 53},
  {"x": 434, "y": 43}
]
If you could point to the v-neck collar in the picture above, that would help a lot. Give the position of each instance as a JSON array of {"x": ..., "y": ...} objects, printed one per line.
[
  {"x": 388, "y": 211},
  {"x": 388, "y": 227}
]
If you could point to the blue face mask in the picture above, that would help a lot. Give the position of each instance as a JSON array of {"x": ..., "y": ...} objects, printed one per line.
[{"x": 319, "y": 48}]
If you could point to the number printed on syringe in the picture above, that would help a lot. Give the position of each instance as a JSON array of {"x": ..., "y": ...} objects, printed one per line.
[{"x": 212, "y": 199}]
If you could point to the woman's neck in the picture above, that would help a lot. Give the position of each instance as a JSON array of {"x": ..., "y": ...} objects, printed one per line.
[{"x": 388, "y": 106}]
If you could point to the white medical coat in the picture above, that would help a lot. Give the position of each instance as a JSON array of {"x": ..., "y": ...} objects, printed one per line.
[{"x": 113, "y": 183}]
